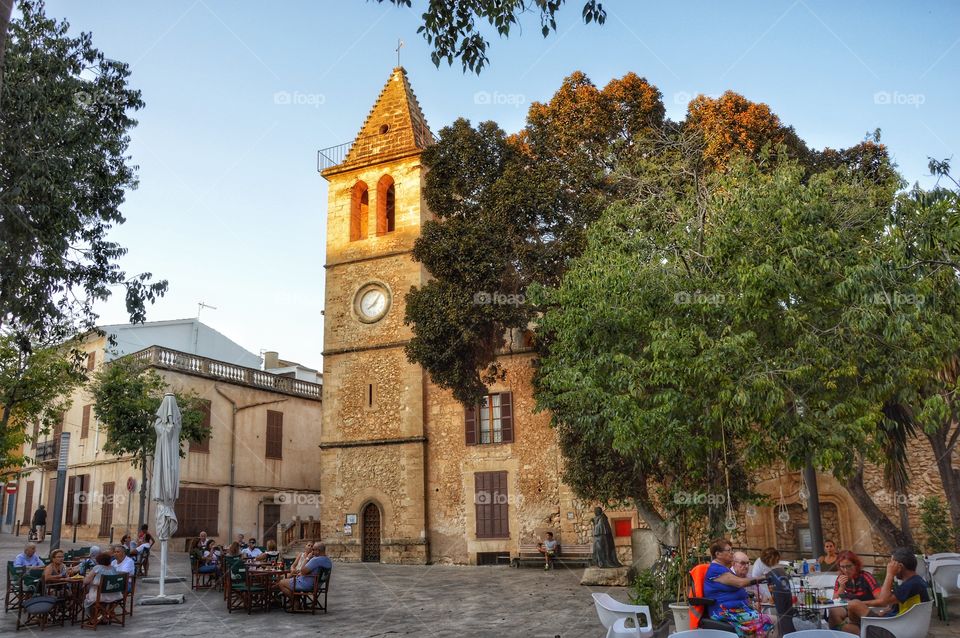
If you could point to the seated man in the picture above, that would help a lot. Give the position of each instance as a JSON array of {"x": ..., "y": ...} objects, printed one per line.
[
  {"x": 895, "y": 599},
  {"x": 87, "y": 563},
  {"x": 549, "y": 550},
  {"x": 28, "y": 558},
  {"x": 304, "y": 581},
  {"x": 251, "y": 550}
]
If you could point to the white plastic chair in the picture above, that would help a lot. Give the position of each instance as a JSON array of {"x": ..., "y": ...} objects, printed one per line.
[
  {"x": 943, "y": 555},
  {"x": 945, "y": 577},
  {"x": 817, "y": 633},
  {"x": 704, "y": 633},
  {"x": 913, "y": 624},
  {"x": 614, "y": 616}
]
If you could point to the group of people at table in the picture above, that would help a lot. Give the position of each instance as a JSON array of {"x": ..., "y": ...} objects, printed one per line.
[
  {"x": 303, "y": 570},
  {"x": 732, "y": 579},
  {"x": 113, "y": 560}
]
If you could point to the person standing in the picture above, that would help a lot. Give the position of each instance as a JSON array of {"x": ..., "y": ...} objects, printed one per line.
[{"x": 40, "y": 523}]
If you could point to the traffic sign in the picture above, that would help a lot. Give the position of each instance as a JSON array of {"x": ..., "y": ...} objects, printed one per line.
[
  {"x": 11, "y": 488},
  {"x": 131, "y": 484}
]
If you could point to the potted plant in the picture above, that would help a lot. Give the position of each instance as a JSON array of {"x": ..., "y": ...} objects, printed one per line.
[{"x": 646, "y": 590}]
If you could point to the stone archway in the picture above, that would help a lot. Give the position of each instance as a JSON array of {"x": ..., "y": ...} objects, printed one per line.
[{"x": 370, "y": 533}]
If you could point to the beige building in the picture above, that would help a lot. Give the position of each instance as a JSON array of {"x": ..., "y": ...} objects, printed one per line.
[{"x": 257, "y": 469}]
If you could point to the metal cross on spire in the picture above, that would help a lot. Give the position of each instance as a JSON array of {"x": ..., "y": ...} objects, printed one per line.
[{"x": 399, "y": 46}]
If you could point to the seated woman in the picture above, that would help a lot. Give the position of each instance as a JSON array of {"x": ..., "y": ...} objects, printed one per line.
[
  {"x": 769, "y": 558},
  {"x": 269, "y": 556},
  {"x": 302, "y": 559},
  {"x": 828, "y": 562},
  {"x": 92, "y": 580},
  {"x": 56, "y": 568},
  {"x": 729, "y": 591},
  {"x": 210, "y": 563},
  {"x": 234, "y": 549},
  {"x": 852, "y": 584}
]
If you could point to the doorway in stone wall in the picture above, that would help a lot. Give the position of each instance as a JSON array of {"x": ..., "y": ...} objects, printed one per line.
[{"x": 371, "y": 533}]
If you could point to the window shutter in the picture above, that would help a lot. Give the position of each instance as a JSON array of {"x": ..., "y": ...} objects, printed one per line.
[
  {"x": 84, "y": 503},
  {"x": 274, "y": 435},
  {"x": 506, "y": 417},
  {"x": 204, "y": 445},
  {"x": 470, "y": 424},
  {"x": 501, "y": 506},
  {"x": 85, "y": 424},
  {"x": 91, "y": 361},
  {"x": 71, "y": 497}
]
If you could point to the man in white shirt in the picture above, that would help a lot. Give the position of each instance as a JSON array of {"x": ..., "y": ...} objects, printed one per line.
[
  {"x": 251, "y": 550},
  {"x": 122, "y": 562}
]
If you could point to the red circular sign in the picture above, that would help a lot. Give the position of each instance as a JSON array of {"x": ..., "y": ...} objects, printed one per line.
[
  {"x": 11, "y": 488},
  {"x": 131, "y": 484}
]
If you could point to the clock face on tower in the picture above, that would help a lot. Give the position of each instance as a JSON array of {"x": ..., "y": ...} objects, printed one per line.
[{"x": 372, "y": 302}]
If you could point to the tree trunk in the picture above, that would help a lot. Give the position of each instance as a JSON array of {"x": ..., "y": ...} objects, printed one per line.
[
  {"x": 943, "y": 446},
  {"x": 891, "y": 534},
  {"x": 905, "y": 520},
  {"x": 6, "y": 10},
  {"x": 665, "y": 531}
]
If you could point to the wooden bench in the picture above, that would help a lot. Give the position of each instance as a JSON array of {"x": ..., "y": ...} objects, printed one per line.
[{"x": 567, "y": 556}]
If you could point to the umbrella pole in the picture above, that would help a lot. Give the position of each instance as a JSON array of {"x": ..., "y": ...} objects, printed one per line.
[{"x": 163, "y": 564}]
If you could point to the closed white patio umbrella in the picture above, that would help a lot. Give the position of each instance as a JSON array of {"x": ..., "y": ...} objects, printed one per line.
[{"x": 166, "y": 475}]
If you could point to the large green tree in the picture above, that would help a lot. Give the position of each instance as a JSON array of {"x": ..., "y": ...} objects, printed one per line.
[
  {"x": 453, "y": 27},
  {"x": 680, "y": 336},
  {"x": 35, "y": 387},
  {"x": 126, "y": 395},
  {"x": 65, "y": 119},
  {"x": 512, "y": 210}
]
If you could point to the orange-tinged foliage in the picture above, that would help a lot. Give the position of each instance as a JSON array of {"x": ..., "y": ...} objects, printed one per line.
[{"x": 732, "y": 124}]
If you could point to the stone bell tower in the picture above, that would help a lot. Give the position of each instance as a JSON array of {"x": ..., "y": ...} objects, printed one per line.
[{"x": 373, "y": 443}]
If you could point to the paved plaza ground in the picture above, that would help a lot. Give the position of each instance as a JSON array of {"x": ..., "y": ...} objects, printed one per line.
[{"x": 370, "y": 601}]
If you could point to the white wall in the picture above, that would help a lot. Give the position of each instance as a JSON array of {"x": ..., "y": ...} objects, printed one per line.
[{"x": 186, "y": 335}]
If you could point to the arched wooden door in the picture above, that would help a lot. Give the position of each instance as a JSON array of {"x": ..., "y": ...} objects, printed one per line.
[{"x": 371, "y": 533}]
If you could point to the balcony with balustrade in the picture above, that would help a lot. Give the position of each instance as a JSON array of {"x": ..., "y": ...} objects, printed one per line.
[{"x": 174, "y": 360}]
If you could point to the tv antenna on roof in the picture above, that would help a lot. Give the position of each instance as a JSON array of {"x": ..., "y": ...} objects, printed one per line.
[
  {"x": 399, "y": 46},
  {"x": 201, "y": 306}
]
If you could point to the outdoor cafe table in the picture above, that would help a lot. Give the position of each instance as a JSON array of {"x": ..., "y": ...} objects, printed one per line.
[
  {"x": 70, "y": 589},
  {"x": 265, "y": 577}
]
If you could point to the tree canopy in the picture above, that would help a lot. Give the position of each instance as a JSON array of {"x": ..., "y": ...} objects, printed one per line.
[
  {"x": 65, "y": 119},
  {"x": 452, "y": 27}
]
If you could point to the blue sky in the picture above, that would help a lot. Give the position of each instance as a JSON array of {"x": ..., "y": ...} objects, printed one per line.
[{"x": 240, "y": 95}]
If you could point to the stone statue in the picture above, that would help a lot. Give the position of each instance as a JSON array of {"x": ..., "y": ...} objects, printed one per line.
[{"x": 604, "y": 551}]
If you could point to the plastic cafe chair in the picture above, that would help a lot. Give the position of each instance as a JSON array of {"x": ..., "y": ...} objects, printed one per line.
[
  {"x": 614, "y": 616},
  {"x": 818, "y": 633},
  {"x": 943, "y": 555},
  {"x": 945, "y": 578},
  {"x": 913, "y": 623},
  {"x": 704, "y": 633}
]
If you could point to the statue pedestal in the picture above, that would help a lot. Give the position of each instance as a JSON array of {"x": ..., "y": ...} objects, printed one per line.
[{"x": 606, "y": 576}]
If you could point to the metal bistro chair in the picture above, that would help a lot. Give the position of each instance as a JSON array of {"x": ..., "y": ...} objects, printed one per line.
[
  {"x": 310, "y": 600},
  {"x": 103, "y": 610}
]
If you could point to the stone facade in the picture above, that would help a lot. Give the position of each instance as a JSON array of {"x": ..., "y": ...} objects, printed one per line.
[{"x": 393, "y": 443}]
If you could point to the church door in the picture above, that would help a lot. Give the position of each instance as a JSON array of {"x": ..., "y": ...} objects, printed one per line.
[{"x": 371, "y": 534}]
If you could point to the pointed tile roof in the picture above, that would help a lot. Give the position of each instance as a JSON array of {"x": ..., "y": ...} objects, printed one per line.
[{"x": 394, "y": 127}]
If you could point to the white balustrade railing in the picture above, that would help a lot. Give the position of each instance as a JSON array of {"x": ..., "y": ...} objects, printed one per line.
[{"x": 176, "y": 360}]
